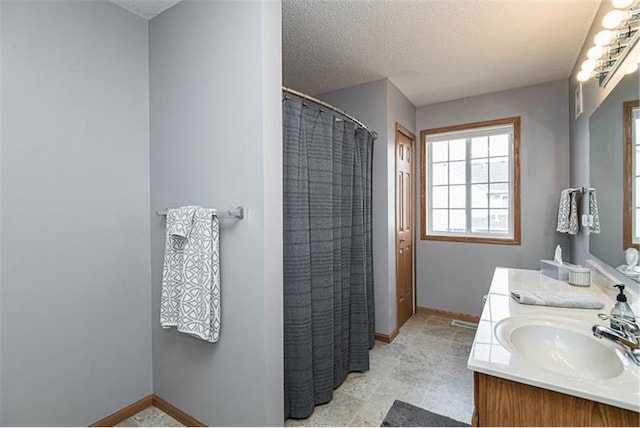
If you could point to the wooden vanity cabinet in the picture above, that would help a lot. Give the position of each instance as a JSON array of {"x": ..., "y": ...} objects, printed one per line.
[{"x": 501, "y": 402}]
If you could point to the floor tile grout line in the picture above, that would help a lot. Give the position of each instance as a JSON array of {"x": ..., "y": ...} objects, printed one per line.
[
  {"x": 354, "y": 416},
  {"x": 426, "y": 392}
]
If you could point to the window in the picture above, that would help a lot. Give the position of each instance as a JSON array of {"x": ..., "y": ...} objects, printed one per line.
[
  {"x": 471, "y": 182},
  {"x": 631, "y": 209}
]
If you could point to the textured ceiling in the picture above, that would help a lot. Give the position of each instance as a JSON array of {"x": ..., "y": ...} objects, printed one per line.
[
  {"x": 432, "y": 50},
  {"x": 147, "y": 9}
]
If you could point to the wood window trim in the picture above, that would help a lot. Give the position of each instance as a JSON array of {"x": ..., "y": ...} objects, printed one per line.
[
  {"x": 516, "y": 239},
  {"x": 627, "y": 175}
]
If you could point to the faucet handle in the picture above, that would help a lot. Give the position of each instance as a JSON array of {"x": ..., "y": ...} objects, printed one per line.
[{"x": 630, "y": 326}]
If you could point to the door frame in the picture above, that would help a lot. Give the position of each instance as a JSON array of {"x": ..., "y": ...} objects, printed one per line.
[{"x": 401, "y": 130}]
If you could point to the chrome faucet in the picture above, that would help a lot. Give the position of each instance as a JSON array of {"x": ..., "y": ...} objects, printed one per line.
[{"x": 625, "y": 335}]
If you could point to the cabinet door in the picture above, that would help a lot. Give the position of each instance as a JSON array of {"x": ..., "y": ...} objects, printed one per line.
[{"x": 501, "y": 402}]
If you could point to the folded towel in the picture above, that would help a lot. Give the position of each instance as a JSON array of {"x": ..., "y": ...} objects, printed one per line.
[
  {"x": 568, "y": 213},
  {"x": 179, "y": 221},
  {"x": 561, "y": 299},
  {"x": 594, "y": 217}
]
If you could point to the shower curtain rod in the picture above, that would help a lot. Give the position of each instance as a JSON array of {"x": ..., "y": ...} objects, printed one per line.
[{"x": 374, "y": 134}]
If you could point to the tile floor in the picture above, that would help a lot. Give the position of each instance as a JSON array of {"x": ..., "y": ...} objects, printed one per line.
[
  {"x": 426, "y": 365},
  {"x": 150, "y": 417}
]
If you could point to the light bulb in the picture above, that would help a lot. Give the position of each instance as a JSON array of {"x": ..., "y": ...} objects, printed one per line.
[
  {"x": 595, "y": 52},
  {"x": 633, "y": 68},
  {"x": 613, "y": 19},
  {"x": 589, "y": 65},
  {"x": 603, "y": 38},
  {"x": 583, "y": 76},
  {"x": 621, "y": 4}
]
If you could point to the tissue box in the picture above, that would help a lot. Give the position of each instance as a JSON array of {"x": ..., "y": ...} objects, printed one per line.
[{"x": 554, "y": 270}]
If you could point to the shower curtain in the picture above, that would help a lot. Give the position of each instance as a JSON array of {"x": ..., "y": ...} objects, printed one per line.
[{"x": 328, "y": 272}]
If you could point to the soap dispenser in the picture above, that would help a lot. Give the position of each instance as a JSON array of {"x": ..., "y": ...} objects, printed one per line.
[{"x": 621, "y": 309}]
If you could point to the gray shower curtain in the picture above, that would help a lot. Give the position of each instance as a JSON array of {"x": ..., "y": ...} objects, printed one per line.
[{"x": 328, "y": 272}]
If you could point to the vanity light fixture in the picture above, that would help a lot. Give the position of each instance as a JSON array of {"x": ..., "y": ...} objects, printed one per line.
[
  {"x": 584, "y": 75},
  {"x": 595, "y": 52},
  {"x": 589, "y": 65},
  {"x": 615, "y": 18},
  {"x": 612, "y": 44},
  {"x": 603, "y": 38},
  {"x": 621, "y": 4}
]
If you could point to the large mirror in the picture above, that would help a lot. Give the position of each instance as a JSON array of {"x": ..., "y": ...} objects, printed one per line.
[{"x": 614, "y": 168}]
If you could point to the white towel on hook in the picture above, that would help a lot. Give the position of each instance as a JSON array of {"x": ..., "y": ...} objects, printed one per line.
[
  {"x": 193, "y": 298},
  {"x": 568, "y": 213},
  {"x": 594, "y": 217}
]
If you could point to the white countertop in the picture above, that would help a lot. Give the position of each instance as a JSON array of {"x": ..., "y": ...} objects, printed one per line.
[{"x": 490, "y": 357}]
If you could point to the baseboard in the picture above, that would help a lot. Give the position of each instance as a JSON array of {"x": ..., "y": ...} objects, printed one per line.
[
  {"x": 143, "y": 403},
  {"x": 125, "y": 413},
  {"x": 448, "y": 314},
  {"x": 387, "y": 338},
  {"x": 176, "y": 413}
]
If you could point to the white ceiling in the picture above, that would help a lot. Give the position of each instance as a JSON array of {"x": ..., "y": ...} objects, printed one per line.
[
  {"x": 147, "y": 9},
  {"x": 432, "y": 50}
]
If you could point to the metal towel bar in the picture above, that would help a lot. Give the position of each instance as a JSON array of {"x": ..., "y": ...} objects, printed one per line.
[
  {"x": 580, "y": 189},
  {"x": 237, "y": 212}
]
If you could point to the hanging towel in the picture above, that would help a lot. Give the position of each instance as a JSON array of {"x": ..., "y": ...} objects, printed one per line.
[
  {"x": 179, "y": 223},
  {"x": 190, "y": 298},
  {"x": 568, "y": 213},
  {"x": 562, "y": 299},
  {"x": 594, "y": 217},
  {"x": 199, "y": 311}
]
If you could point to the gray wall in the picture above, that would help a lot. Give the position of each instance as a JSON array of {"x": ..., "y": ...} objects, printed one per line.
[
  {"x": 216, "y": 141},
  {"x": 452, "y": 275},
  {"x": 605, "y": 170},
  {"x": 76, "y": 301}
]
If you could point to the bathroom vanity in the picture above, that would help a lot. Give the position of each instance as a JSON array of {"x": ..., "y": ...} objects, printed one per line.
[{"x": 541, "y": 366}]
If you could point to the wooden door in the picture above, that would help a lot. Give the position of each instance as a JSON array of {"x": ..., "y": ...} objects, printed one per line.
[{"x": 404, "y": 198}]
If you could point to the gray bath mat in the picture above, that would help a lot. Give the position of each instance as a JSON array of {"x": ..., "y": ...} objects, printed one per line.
[{"x": 403, "y": 414}]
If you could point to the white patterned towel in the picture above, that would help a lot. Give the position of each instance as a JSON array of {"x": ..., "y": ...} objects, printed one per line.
[
  {"x": 180, "y": 220},
  {"x": 561, "y": 299},
  {"x": 179, "y": 223},
  {"x": 193, "y": 305},
  {"x": 594, "y": 223},
  {"x": 568, "y": 213},
  {"x": 199, "y": 312}
]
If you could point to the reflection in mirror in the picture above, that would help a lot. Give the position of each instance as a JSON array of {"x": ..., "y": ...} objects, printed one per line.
[
  {"x": 609, "y": 169},
  {"x": 631, "y": 174}
]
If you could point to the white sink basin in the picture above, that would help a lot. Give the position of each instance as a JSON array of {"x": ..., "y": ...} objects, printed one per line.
[{"x": 560, "y": 345}]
